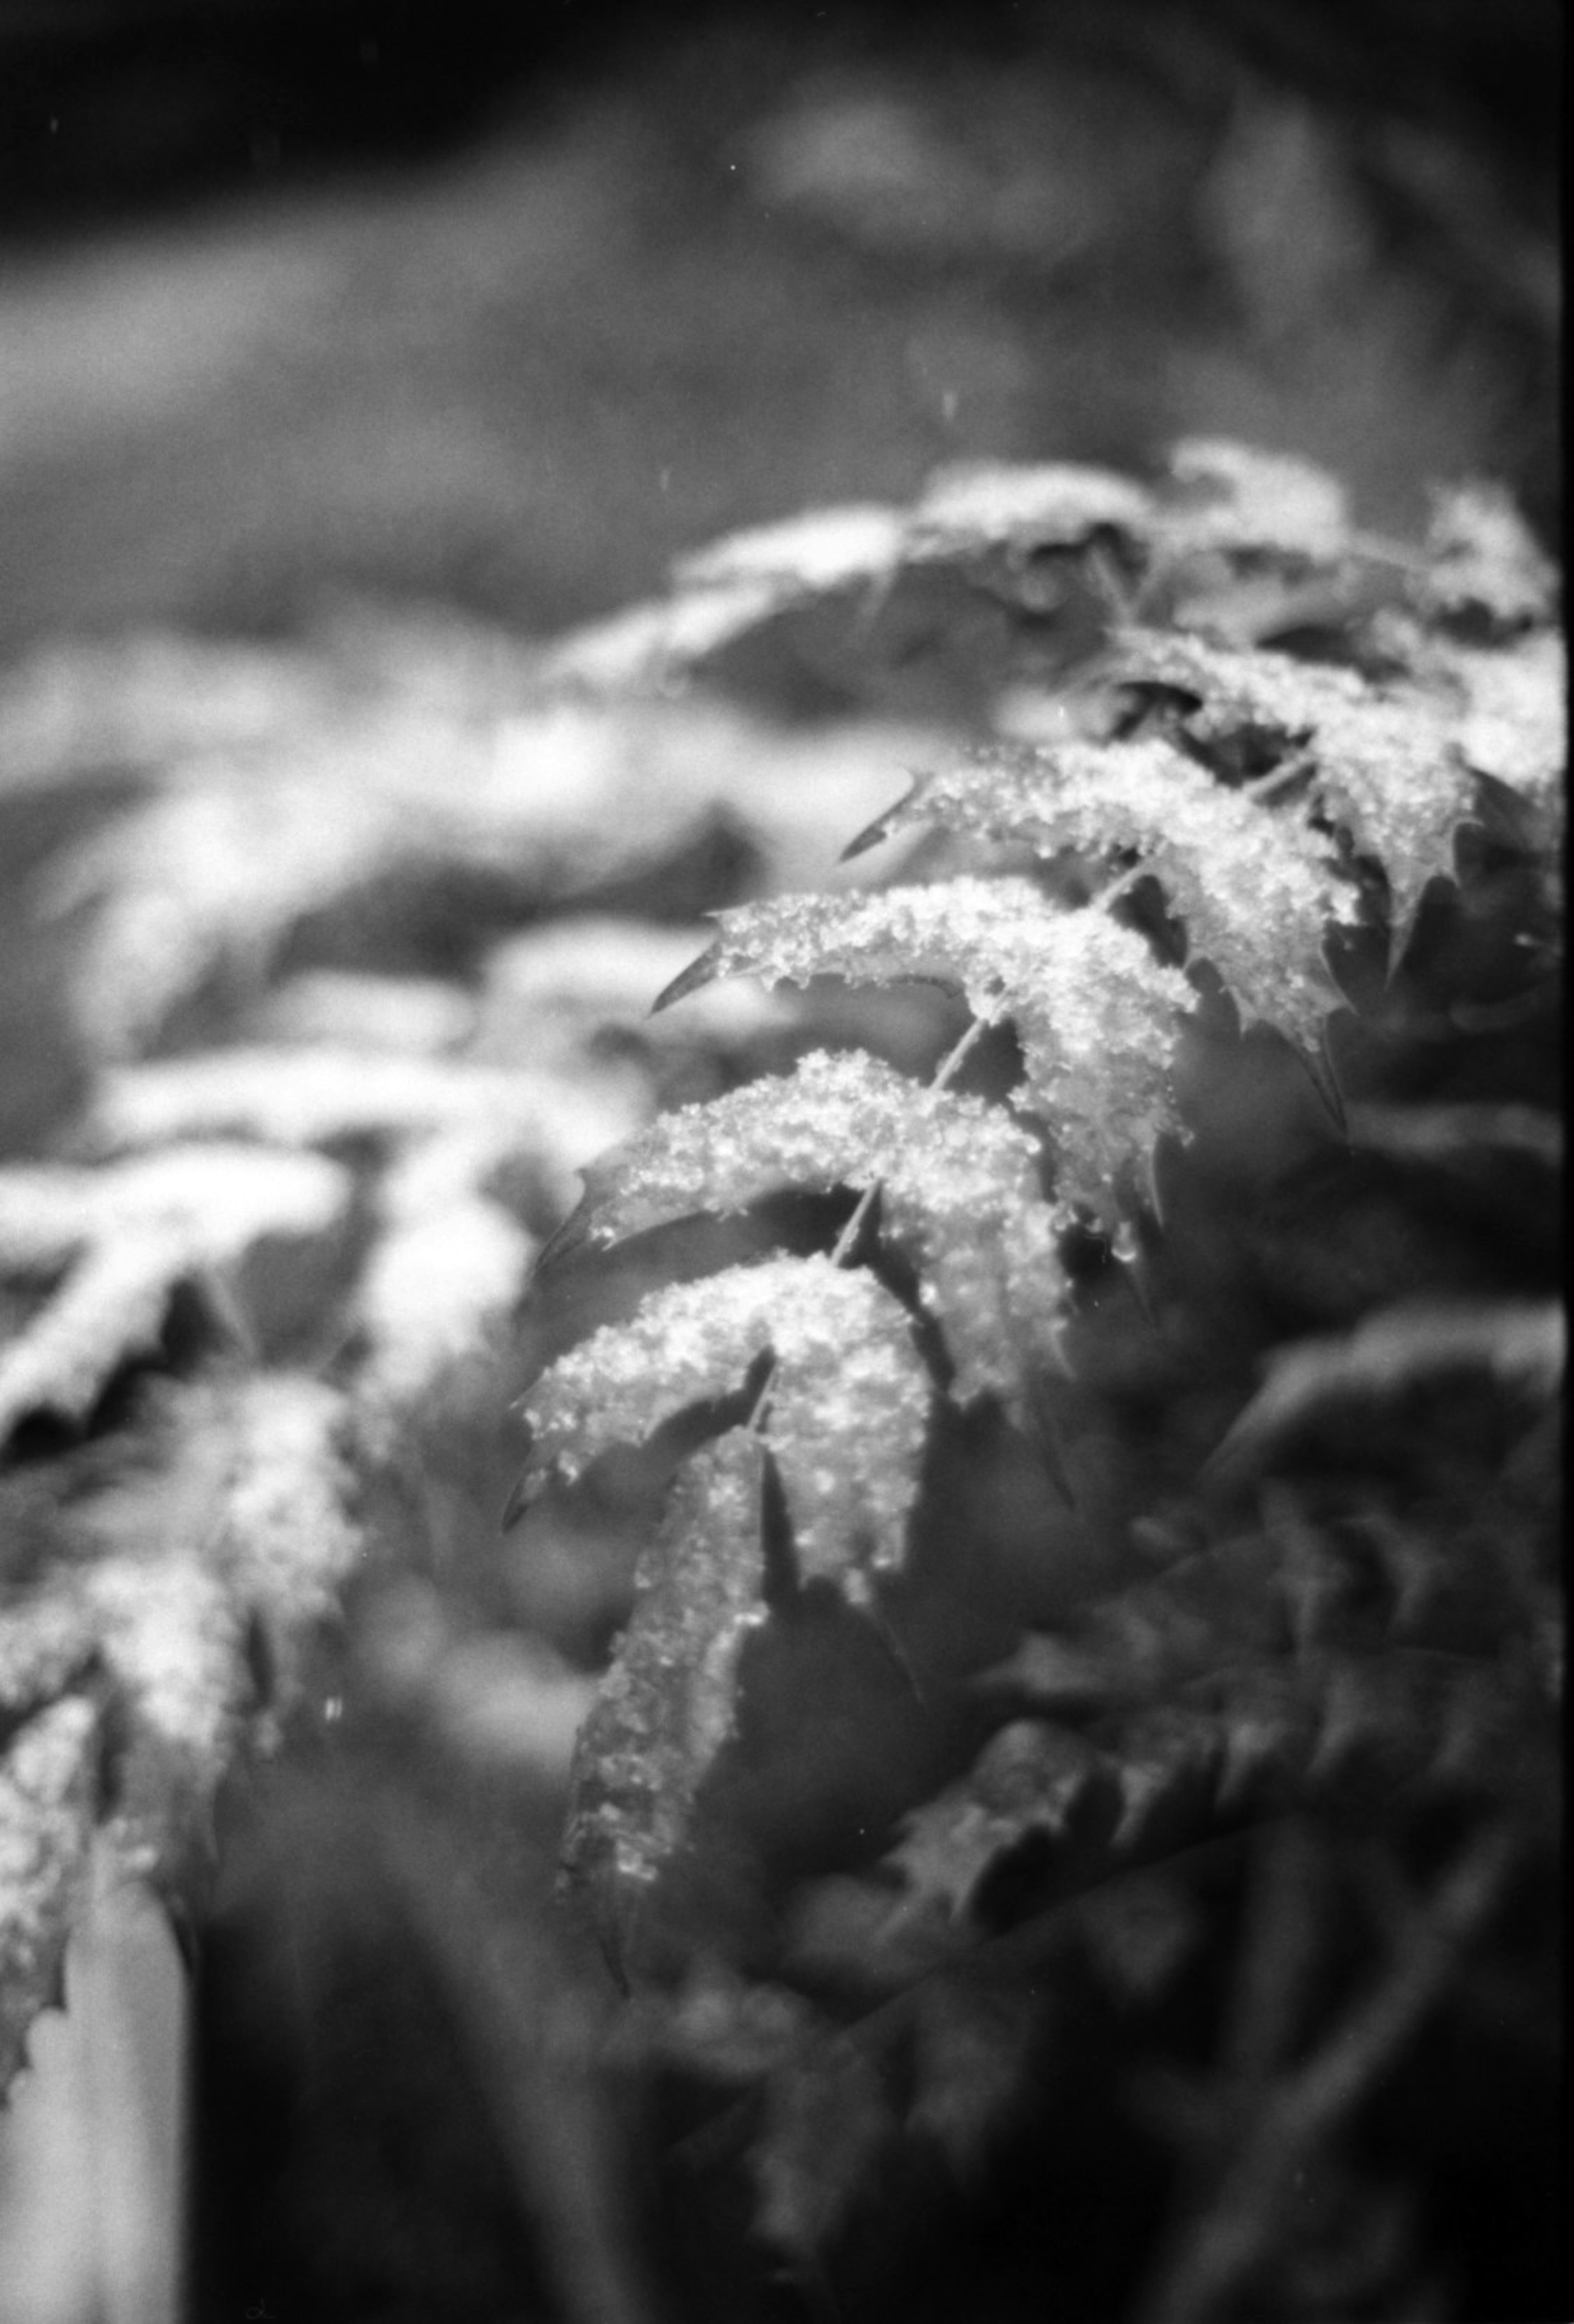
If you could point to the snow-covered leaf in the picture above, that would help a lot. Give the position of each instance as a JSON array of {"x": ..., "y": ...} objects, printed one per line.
[
  {"x": 435, "y": 1294},
  {"x": 737, "y": 585},
  {"x": 247, "y": 1487},
  {"x": 1516, "y": 718},
  {"x": 849, "y": 1396},
  {"x": 118, "y": 1240},
  {"x": 49, "y": 1779},
  {"x": 1387, "y": 766},
  {"x": 668, "y": 1701},
  {"x": 824, "y": 548},
  {"x": 454, "y": 1128},
  {"x": 1482, "y": 558},
  {"x": 1247, "y": 881},
  {"x": 958, "y": 1194},
  {"x": 284, "y": 1538},
  {"x": 1097, "y": 1016},
  {"x": 173, "y": 1638},
  {"x": 985, "y": 505},
  {"x": 1243, "y": 501},
  {"x": 313, "y": 1095}
]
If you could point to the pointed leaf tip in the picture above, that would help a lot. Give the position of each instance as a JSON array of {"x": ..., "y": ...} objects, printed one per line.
[{"x": 693, "y": 979}]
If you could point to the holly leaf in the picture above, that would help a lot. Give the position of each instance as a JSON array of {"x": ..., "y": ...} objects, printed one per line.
[
  {"x": 959, "y": 1194},
  {"x": 849, "y": 1399},
  {"x": 1247, "y": 881},
  {"x": 1385, "y": 765},
  {"x": 668, "y": 1703},
  {"x": 1099, "y": 1018}
]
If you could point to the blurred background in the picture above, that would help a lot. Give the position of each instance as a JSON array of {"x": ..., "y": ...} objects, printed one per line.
[{"x": 504, "y": 307}]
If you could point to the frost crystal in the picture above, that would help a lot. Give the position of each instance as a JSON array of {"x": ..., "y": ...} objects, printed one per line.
[
  {"x": 958, "y": 1192},
  {"x": 849, "y": 1399}
]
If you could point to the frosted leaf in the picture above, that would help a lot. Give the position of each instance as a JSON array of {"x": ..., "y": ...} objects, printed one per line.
[
  {"x": 736, "y": 585},
  {"x": 848, "y": 1402},
  {"x": 823, "y": 549},
  {"x": 1482, "y": 557},
  {"x": 1515, "y": 721},
  {"x": 126, "y": 1236},
  {"x": 218, "y": 1559},
  {"x": 172, "y": 1636},
  {"x": 310, "y": 1095},
  {"x": 46, "y": 1644},
  {"x": 437, "y": 1291},
  {"x": 111, "y": 1310},
  {"x": 457, "y": 1126},
  {"x": 49, "y": 1778},
  {"x": 285, "y": 1540},
  {"x": 247, "y": 1492},
  {"x": 1055, "y": 505},
  {"x": 1246, "y": 880},
  {"x": 667, "y": 1703},
  {"x": 958, "y": 1194},
  {"x": 650, "y": 646},
  {"x": 1099, "y": 1018},
  {"x": 208, "y": 875},
  {"x": 1386, "y": 766},
  {"x": 1243, "y": 501}
]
